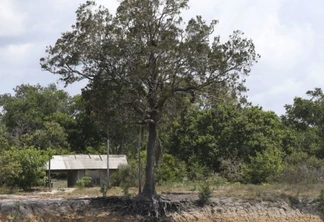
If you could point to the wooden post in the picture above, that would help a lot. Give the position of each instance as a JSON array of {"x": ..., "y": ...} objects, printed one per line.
[
  {"x": 139, "y": 161},
  {"x": 49, "y": 167},
  {"x": 49, "y": 173},
  {"x": 108, "y": 176}
]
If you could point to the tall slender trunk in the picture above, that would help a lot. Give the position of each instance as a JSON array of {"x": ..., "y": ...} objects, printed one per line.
[{"x": 149, "y": 187}]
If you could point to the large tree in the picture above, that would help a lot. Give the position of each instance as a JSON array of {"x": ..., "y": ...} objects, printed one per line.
[{"x": 145, "y": 55}]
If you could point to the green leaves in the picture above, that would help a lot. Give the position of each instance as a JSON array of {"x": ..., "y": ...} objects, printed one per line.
[
  {"x": 34, "y": 116},
  {"x": 4, "y": 143},
  {"x": 23, "y": 167},
  {"x": 229, "y": 133},
  {"x": 306, "y": 117},
  {"x": 265, "y": 166},
  {"x": 170, "y": 170},
  {"x": 51, "y": 136},
  {"x": 11, "y": 167}
]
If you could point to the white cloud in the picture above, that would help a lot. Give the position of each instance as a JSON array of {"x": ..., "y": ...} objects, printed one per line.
[
  {"x": 288, "y": 36},
  {"x": 15, "y": 54},
  {"x": 11, "y": 19},
  {"x": 286, "y": 49},
  {"x": 290, "y": 85},
  {"x": 315, "y": 73}
]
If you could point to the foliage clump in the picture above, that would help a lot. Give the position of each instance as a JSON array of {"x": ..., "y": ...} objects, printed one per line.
[
  {"x": 232, "y": 169},
  {"x": 170, "y": 170},
  {"x": 205, "y": 193},
  {"x": 85, "y": 181},
  {"x": 196, "y": 170},
  {"x": 301, "y": 168},
  {"x": 125, "y": 177},
  {"x": 265, "y": 166},
  {"x": 23, "y": 168}
]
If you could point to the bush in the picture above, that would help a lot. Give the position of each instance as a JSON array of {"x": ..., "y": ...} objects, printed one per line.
[
  {"x": 217, "y": 180},
  {"x": 33, "y": 162},
  {"x": 205, "y": 193},
  {"x": 265, "y": 166},
  {"x": 125, "y": 177},
  {"x": 302, "y": 169},
  {"x": 232, "y": 169},
  {"x": 170, "y": 170},
  {"x": 196, "y": 171},
  {"x": 10, "y": 168},
  {"x": 23, "y": 168},
  {"x": 85, "y": 181}
]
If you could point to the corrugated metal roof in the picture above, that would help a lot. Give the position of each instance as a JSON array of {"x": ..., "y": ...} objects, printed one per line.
[{"x": 84, "y": 161}]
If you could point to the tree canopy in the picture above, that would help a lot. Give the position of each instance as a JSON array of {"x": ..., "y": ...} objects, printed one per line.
[{"x": 32, "y": 116}]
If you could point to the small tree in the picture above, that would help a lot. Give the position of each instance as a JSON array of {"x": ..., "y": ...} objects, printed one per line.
[{"x": 205, "y": 193}]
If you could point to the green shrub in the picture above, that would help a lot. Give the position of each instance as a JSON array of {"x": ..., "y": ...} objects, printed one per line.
[
  {"x": 23, "y": 168},
  {"x": 205, "y": 193},
  {"x": 33, "y": 161},
  {"x": 170, "y": 170},
  {"x": 196, "y": 171},
  {"x": 10, "y": 168},
  {"x": 265, "y": 166},
  {"x": 217, "y": 180},
  {"x": 125, "y": 177},
  {"x": 85, "y": 181}
]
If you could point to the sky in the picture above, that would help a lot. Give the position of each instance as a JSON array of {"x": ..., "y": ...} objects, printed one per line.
[{"x": 288, "y": 35}]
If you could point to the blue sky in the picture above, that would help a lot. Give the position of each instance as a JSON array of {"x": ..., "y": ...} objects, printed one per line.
[{"x": 287, "y": 33}]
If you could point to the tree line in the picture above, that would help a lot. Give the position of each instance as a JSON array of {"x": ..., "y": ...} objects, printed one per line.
[{"x": 237, "y": 140}]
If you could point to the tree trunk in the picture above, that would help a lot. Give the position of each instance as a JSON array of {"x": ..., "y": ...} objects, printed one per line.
[{"x": 148, "y": 192}]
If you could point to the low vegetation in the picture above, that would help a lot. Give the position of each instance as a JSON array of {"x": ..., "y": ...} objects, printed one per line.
[
  {"x": 85, "y": 181},
  {"x": 205, "y": 193}
]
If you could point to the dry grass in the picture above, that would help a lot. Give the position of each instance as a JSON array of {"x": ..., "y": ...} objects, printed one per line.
[
  {"x": 245, "y": 191},
  {"x": 249, "y": 191},
  {"x": 272, "y": 191}
]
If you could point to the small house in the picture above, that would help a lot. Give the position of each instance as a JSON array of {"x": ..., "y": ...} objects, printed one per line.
[{"x": 80, "y": 165}]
